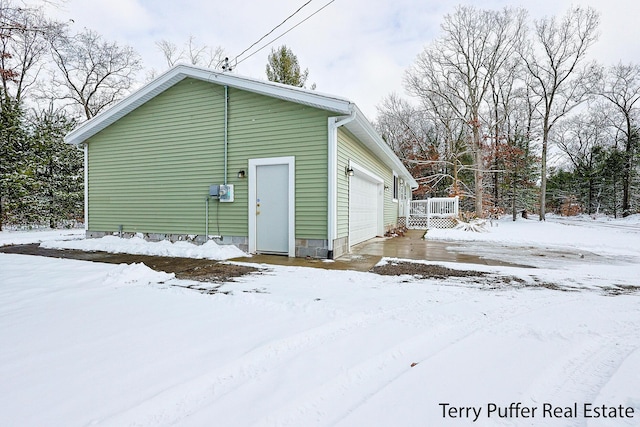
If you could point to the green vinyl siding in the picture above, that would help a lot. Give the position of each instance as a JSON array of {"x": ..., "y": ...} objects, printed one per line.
[
  {"x": 262, "y": 127},
  {"x": 349, "y": 148},
  {"x": 150, "y": 171}
]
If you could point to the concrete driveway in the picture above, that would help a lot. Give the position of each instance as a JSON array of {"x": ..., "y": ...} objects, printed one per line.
[
  {"x": 363, "y": 257},
  {"x": 367, "y": 254}
]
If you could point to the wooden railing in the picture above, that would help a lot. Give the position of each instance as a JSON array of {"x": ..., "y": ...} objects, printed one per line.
[{"x": 433, "y": 212}]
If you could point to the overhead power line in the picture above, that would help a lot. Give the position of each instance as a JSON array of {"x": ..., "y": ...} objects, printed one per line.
[
  {"x": 273, "y": 29},
  {"x": 280, "y": 36}
]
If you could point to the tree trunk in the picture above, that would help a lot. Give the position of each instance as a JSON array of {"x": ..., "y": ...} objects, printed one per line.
[
  {"x": 456, "y": 190},
  {"x": 496, "y": 192},
  {"x": 478, "y": 173},
  {"x": 543, "y": 181},
  {"x": 626, "y": 175},
  {"x": 514, "y": 212},
  {"x": 590, "y": 198},
  {"x": 615, "y": 195},
  {"x": 543, "y": 169}
]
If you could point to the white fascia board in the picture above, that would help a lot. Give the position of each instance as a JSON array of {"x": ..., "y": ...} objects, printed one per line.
[
  {"x": 364, "y": 130},
  {"x": 180, "y": 72},
  {"x": 86, "y": 187},
  {"x": 274, "y": 90},
  {"x": 124, "y": 107}
]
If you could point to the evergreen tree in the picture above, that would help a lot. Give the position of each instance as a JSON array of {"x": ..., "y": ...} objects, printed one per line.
[
  {"x": 613, "y": 163},
  {"x": 283, "y": 67},
  {"x": 562, "y": 186},
  {"x": 594, "y": 186},
  {"x": 59, "y": 169},
  {"x": 16, "y": 175},
  {"x": 518, "y": 179},
  {"x": 41, "y": 177}
]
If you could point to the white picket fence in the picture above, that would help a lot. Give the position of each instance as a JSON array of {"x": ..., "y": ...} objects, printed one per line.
[{"x": 436, "y": 212}]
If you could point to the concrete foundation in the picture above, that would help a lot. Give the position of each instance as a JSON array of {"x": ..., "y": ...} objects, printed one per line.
[
  {"x": 305, "y": 248},
  {"x": 340, "y": 247},
  {"x": 312, "y": 248},
  {"x": 242, "y": 242}
]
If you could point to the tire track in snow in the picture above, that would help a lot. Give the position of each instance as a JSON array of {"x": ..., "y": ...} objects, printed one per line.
[
  {"x": 633, "y": 228},
  {"x": 582, "y": 374},
  {"x": 177, "y": 403},
  {"x": 378, "y": 372},
  {"x": 180, "y": 401}
]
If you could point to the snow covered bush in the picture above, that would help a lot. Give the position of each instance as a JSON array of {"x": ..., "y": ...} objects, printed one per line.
[{"x": 477, "y": 225}]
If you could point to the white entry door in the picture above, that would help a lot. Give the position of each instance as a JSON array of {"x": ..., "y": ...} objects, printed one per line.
[
  {"x": 365, "y": 202},
  {"x": 271, "y": 206}
]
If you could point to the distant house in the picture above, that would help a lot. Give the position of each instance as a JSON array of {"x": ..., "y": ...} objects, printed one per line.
[{"x": 270, "y": 168}]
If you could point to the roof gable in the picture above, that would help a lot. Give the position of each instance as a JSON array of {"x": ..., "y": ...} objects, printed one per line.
[
  {"x": 360, "y": 127},
  {"x": 180, "y": 72}
]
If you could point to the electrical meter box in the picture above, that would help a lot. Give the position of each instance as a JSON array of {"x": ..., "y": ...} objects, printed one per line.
[
  {"x": 222, "y": 192},
  {"x": 226, "y": 193}
]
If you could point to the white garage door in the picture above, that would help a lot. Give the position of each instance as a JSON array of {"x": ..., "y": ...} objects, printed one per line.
[{"x": 364, "y": 206}]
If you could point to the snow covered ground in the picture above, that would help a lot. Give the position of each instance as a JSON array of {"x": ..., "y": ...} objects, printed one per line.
[
  {"x": 85, "y": 343},
  {"x": 602, "y": 237},
  {"x": 137, "y": 245},
  {"x": 75, "y": 239},
  {"x": 554, "y": 244},
  {"x": 26, "y": 237}
]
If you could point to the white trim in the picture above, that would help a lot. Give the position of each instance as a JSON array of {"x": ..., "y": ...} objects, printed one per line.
[
  {"x": 365, "y": 132},
  {"x": 180, "y": 72},
  {"x": 395, "y": 187},
  {"x": 332, "y": 173},
  {"x": 361, "y": 170},
  {"x": 86, "y": 187},
  {"x": 253, "y": 163},
  {"x": 370, "y": 176},
  {"x": 360, "y": 127},
  {"x": 332, "y": 183}
]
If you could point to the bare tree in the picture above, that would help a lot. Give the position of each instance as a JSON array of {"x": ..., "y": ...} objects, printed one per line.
[
  {"x": 414, "y": 136},
  {"x": 23, "y": 46},
  {"x": 443, "y": 113},
  {"x": 622, "y": 88},
  {"x": 205, "y": 56},
  {"x": 554, "y": 60},
  {"x": 522, "y": 131},
  {"x": 169, "y": 51},
  {"x": 458, "y": 69},
  {"x": 90, "y": 72},
  {"x": 502, "y": 96},
  {"x": 399, "y": 124},
  {"x": 583, "y": 138}
]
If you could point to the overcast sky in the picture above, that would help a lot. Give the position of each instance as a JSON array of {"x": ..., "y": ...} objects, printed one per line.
[{"x": 358, "y": 49}]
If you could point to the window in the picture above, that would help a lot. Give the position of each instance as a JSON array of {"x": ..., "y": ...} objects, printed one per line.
[{"x": 395, "y": 187}]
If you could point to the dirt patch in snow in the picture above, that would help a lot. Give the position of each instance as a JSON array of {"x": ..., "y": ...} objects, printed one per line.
[
  {"x": 488, "y": 280},
  {"x": 423, "y": 271},
  {"x": 201, "y": 270},
  {"x": 210, "y": 274},
  {"x": 214, "y": 272},
  {"x": 616, "y": 290}
]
